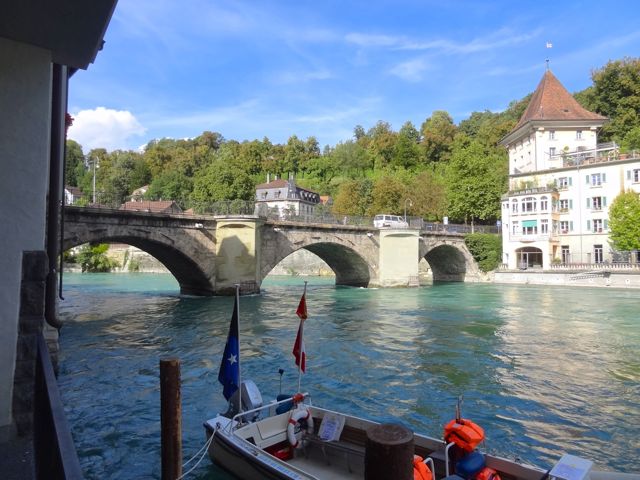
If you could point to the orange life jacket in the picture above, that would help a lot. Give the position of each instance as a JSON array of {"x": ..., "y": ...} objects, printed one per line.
[
  {"x": 487, "y": 474},
  {"x": 465, "y": 434},
  {"x": 420, "y": 469}
]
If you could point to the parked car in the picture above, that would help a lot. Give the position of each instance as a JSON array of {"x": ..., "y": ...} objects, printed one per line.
[{"x": 389, "y": 221}]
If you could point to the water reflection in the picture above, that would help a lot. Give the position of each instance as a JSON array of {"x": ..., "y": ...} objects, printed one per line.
[{"x": 543, "y": 373}]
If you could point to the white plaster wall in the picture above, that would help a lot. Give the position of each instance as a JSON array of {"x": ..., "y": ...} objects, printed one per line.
[{"x": 25, "y": 101}]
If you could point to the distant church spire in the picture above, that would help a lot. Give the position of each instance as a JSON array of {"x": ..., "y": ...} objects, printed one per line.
[{"x": 549, "y": 45}]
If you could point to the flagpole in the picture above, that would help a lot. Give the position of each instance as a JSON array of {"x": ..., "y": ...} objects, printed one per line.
[
  {"x": 301, "y": 340},
  {"x": 237, "y": 306}
]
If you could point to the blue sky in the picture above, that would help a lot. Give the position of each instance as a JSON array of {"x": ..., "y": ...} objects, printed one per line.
[{"x": 250, "y": 69}]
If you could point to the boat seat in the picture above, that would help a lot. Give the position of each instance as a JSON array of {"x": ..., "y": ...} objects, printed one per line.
[
  {"x": 350, "y": 450},
  {"x": 273, "y": 427}
]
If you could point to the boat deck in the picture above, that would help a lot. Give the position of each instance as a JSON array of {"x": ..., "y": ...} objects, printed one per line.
[{"x": 330, "y": 460}]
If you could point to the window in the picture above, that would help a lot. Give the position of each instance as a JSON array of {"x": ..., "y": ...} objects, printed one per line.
[
  {"x": 544, "y": 204},
  {"x": 529, "y": 227},
  {"x": 564, "y": 204},
  {"x": 598, "y": 254},
  {"x": 566, "y": 255},
  {"x": 578, "y": 134},
  {"x": 565, "y": 226},
  {"x": 634, "y": 175},
  {"x": 514, "y": 206},
  {"x": 516, "y": 228},
  {"x": 596, "y": 179},
  {"x": 552, "y": 135},
  {"x": 596, "y": 203},
  {"x": 264, "y": 194},
  {"x": 563, "y": 182},
  {"x": 544, "y": 227},
  {"x": 597, "y": 225},
  {"x": 529, "y": 204},
  {"x": 552, "y": 151}
]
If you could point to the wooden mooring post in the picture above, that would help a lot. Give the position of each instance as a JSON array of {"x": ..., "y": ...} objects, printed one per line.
[
  {"x": 388, "y": 453},
  {"x": 170, "y": 418}
]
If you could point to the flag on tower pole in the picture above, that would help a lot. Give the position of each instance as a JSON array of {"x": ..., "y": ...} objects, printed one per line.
[{"x": 298, "y": 346}]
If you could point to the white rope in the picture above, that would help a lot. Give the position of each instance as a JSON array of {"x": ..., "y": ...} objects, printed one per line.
[{"x": 205, "y": 447}]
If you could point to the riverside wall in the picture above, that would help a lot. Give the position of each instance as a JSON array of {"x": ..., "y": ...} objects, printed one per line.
[{"x": 609, "y": 279}]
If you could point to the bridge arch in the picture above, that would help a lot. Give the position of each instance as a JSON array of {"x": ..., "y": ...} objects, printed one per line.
[
  {"x": 193, "y": 268},
  {"x": 449, "y": 261},
  {"x": 352, "y": 265}
]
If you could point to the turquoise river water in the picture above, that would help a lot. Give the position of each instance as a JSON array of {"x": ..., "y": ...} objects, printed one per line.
[{"x": 544, "y": 370}]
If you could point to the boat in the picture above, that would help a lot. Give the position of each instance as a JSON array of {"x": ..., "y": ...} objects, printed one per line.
[{"x": 289, "y": 438}]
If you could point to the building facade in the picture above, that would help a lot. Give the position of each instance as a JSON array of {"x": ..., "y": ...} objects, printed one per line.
[
  {"x": 286, "y": 199},
  {"x": 561, "y": 183}
]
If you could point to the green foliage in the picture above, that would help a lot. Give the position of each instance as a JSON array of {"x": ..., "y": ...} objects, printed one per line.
[
  {"x": 69, "y": 257},
  {"x": 615, "y": 94},
  {"x": 624, "y": 227},
  {"x": 486, "y": 249},
  {"x": 73, "y": 163},
  {"x": 222, "y": 181},
  {"x": 476, "y": 178},
  {"x": 353, "y": 197},
  {"x": 388, "y": 195},
  {"x": 93, "y": 258},
  {"x": 631, "y": 140},
  {"x": 438, "y": 133}
]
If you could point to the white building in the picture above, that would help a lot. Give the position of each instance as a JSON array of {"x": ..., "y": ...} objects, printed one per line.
[
  {"x": 561, "y": 183},
  {"x": 287, "y": 198}
]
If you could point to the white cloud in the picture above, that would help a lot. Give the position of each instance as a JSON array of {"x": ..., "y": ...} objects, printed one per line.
[
  {"x": 410, "y": 70},
  {"x": 105, "y": 128}
]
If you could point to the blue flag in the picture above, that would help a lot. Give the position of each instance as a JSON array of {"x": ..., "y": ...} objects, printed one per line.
[{"x": 229, "y": 374}]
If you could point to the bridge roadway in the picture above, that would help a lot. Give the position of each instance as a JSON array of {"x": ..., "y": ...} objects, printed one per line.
[{"x": 208, "y": 255}]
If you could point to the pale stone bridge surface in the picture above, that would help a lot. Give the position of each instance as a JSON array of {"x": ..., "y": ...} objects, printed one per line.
[{"x": 209, "y": 255}]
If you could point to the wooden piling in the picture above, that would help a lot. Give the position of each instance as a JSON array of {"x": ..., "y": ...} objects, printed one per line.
[
  {"x": 170, "y": 418},
  {"x": 388, "y": 453}
]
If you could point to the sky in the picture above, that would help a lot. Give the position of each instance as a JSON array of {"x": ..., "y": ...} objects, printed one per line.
[{"x": 250, "y": 69}]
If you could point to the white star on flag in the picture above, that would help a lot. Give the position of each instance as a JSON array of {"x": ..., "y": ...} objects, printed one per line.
[
  {"x": 232, "y": 359},
  {"x": 549, "y": 45}
]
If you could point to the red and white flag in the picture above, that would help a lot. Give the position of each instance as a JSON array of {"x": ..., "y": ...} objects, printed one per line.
[{"x": 298, "y": 347}]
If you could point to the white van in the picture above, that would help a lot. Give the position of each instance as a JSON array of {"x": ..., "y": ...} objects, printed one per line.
[{"x": 389, "y": 221}]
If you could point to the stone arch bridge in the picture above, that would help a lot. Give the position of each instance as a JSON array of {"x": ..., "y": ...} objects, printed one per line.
[{"x": 209, "y": 255}]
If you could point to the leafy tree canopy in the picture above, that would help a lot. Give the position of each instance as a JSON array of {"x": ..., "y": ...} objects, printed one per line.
[{"x": 624, "y": 227}]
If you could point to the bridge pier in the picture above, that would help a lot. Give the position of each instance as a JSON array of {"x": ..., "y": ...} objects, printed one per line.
[
  {"x": 238, "y": 255},
  {"x": 398, "y": 258}
]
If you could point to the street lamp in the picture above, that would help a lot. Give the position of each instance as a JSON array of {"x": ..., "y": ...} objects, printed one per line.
[
  {"x": 405, "y": 208},
  {"x": 95, "y": 161}
]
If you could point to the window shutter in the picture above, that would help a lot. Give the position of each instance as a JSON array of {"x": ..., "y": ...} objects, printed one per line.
[
  {"x": 604, "y": 201},
  {"x": 604, "y": 177},
  {"x": 571, "y": 226},
  {"x": 569, "y": 181},
  {"x": 588, "y": 224},
  {"x": 606, "y": 224},
  {"x": 628, "y": 174},
  {"x": 587, "y": 177},
  {"x": 570, "y": 204},
  {"x": 588, "y": 203}
]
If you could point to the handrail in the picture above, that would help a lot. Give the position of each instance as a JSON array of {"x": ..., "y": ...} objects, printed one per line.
[
  {"x": 236, "y": 417},
  {"x": 54, "y": 451}
]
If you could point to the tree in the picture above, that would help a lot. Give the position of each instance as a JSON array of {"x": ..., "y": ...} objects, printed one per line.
[
  {"x": 624, "y": 227},
  {"x": 222, "y": 181},
  {"x": 437, "y": 136},
  {"x": 73, "y": 159},
  {"x": 353, "y": 197},
  {"x": 406, "y": 150},
  {"x": 476, "y": 179},
  {"x": 428, "y": 195},
  {"x": 171, "y": 185},
  {"x": 615, "y": 94},
  {"x": 389, "y": 195},
  {"x": 631, "y": 140},
  {"x": 382, "y": 144},
  {"x": 93, "y": 258}
]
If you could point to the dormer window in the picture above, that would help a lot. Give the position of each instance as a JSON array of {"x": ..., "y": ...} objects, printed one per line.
[
  {"x": 578, "y": 134},
  {"x": 552, "y": 134}
]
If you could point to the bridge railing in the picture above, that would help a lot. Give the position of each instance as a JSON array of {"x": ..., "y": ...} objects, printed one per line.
[{"x": 259, "y": 209}]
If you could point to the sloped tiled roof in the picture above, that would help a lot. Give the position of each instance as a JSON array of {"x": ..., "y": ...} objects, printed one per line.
[
  {"x": 551, "y": 101},
  {"x": 280, "y": 183},
  {"x": 157, "y": 206}
]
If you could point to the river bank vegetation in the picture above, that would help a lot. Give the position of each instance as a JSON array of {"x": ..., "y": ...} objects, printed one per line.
[{"x": 444, "y": 169}]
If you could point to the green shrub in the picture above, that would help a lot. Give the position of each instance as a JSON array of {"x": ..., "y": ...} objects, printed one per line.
[
  {"x": 486, "y": 249},
  {"x": 93, "y": 258}
]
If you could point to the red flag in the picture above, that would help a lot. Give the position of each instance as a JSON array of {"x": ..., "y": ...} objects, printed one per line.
[{"x": 298, "y": 347}]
